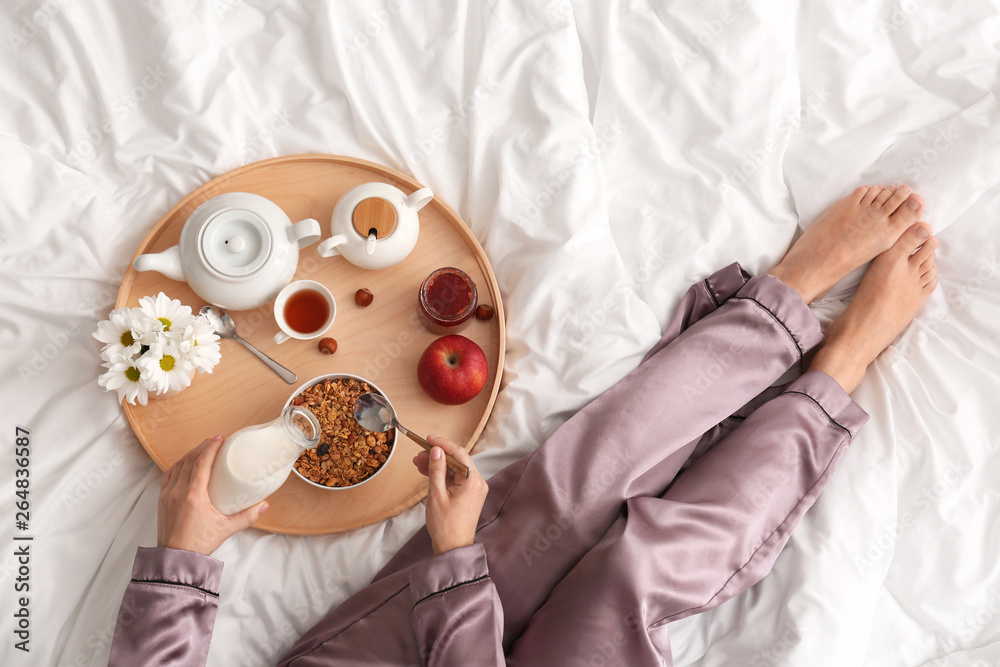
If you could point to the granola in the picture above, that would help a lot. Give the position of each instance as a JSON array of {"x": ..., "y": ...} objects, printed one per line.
[{"x": 347, "y": 454}]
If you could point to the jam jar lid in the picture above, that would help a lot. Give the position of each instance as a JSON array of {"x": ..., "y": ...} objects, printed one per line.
[{"x": 443, "y": 295}]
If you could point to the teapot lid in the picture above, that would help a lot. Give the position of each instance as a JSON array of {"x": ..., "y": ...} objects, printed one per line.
[
  {"x": 235, "y": 242},
  {"x": 374, "y": 214}
]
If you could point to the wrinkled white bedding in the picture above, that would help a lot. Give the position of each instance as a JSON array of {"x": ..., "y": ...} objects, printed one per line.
[{"x": 606, "y": 154}]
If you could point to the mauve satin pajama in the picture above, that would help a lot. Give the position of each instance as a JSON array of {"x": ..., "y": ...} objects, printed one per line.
[{"x": 589, "y": 546}]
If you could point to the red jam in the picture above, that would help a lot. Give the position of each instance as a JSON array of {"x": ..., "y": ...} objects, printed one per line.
[{"x": 447, "y": 301}]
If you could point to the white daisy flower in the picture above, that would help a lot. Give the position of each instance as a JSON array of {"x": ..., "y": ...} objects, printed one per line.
[
  {"x": 124, "y": 377},
  {"x": 170, "y": 313},
  {"x": 150, "y": 330},
  {"x": 200, "y": 344},
  {"x": 121, "y": 334},
  {"x": 166, "y": 367},
  {"x": 155, "y": 348}
]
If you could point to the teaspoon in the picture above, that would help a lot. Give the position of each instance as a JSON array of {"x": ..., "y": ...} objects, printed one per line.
[
  {"x": 375, "y": 414},
  {"x": 226, "y": 328}
]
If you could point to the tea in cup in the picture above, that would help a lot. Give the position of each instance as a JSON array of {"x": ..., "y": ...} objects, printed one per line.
[{"x": 304, "y": 310}]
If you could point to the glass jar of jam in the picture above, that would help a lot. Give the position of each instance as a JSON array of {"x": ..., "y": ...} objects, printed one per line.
[{"x": 447, "y": 301}]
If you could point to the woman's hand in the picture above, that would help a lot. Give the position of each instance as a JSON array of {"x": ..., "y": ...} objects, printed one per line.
[
  {"x": 187, "y": 519},
  {"x": 453, "y": 503}
]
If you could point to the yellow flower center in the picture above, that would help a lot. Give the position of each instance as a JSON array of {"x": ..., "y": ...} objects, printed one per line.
[
  {"x": 132, "y": 373},
  {"x": 166, "y": 323},
  {"x": 127, "y": 339},
  {"x": 167, "y": 362}
]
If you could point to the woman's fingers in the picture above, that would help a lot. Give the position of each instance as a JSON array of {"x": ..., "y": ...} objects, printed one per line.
[
  {"x": 186, "y": 517},
  {"x": 248, "y": 517},
  {"x": 202, "y": 469},
  {"x": 420, "y": 461},
  {"x": 456, "y": 451},
  {"x": 437, "y": 473},
  {"x": 448, "y": 446},
  {"x": 188, "y": 462},
  {"x": 173, "y": 474},
  {"x": 168, "y": 478},
  {"x": 454, "y": 503}
]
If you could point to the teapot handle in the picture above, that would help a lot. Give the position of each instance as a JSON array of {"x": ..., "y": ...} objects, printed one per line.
[
  {"x": 328, "y": 248},
  {"x": 304, "y": 232},
  {"x": 419, "y": 199}
]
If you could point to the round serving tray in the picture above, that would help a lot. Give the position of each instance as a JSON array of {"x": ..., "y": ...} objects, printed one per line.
[{"x": 381, "y": 342}]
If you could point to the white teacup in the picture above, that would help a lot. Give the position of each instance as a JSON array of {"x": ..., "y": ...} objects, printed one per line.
[{"x": 304, "y": 310}]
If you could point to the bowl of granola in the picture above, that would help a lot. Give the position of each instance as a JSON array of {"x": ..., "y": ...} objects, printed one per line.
[{"x": 347, "y": 455}]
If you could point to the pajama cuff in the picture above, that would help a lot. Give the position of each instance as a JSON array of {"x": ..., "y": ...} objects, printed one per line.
[
  {"x": 787, "y": 308},
  {"x": 725, "y": 282},
  {"x": 830, "y": 397},
  {"x": 161, "y": 565},
  {"x": 448, "y": 571}
]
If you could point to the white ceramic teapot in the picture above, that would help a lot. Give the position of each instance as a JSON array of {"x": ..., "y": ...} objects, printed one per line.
[
  {"x": 375, "y": 225},
  {"x": 237, "y": 251}
]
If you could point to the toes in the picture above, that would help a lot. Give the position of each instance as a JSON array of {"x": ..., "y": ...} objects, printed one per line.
[
  {"x": 897, "y": 198},
  {"x": 869, "y": 197},
  {"x": 913, "y": 238},
  {"x": 925, "y": 252},
  {"x": 908, "y": 213},
  {"x": 883, "y": 196},
  {"x": 859, "y": 193},
  {"x": 928, "y": 274},
  {"x": 930, "y": 286},
  {"x": 915, "y": 203}
]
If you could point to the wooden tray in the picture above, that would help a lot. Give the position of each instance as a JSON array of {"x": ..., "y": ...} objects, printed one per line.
[{"x": 382, "y": 342}]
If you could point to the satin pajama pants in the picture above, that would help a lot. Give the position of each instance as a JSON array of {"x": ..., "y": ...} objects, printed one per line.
[{"x": 667, "y": 495}]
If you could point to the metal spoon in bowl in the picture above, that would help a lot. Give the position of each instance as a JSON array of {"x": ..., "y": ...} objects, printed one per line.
[
  {"x": 375, "y": 414},
  {"x": 226, "y": 328}
]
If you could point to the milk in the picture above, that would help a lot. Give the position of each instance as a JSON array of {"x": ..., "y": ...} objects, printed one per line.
[{"x": 255, "y": 461}]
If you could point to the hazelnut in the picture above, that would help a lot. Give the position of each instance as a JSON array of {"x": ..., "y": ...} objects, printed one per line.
[
  {"x": 364, "y": 297},
  {"x": 328, "y": 346},
  {"x": 484, "y": 312}
]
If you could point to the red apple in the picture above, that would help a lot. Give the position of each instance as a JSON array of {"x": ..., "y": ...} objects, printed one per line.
[{"x": 452, "y": 370}]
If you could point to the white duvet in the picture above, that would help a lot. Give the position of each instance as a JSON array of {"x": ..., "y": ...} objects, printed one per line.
[{"x": 606, "y": 154}]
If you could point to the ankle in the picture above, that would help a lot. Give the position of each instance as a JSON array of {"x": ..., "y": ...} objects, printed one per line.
[
  {"x": 841, "y": 364},
  {"x": 794, "y": 280}
]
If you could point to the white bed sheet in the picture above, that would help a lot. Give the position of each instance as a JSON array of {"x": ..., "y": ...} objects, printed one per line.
[{"x": 606, "y": 154}]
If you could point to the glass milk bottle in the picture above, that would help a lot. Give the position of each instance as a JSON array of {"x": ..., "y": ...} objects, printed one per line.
[{"x": 256, "y": 460}]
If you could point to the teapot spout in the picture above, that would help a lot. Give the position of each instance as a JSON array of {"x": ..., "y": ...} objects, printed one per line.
[
  {"x": 419, "y": 199},
  {"x": 167, "y": 262}
]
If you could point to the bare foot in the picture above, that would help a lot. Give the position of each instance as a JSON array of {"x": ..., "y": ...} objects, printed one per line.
[
  {"x": 848, "y": 234},
  {"x": 894, "y": 288}
]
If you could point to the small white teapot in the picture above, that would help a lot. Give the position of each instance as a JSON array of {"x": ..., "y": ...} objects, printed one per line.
[
  {"x": 237, "y": 251},
  {"x": 375, "y": 225}
]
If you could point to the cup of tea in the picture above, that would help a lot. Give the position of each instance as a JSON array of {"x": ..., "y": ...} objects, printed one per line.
[{"x": 304, "y": 310}]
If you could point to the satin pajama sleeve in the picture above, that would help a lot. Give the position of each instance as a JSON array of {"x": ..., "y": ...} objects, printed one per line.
[
  {"x": 169, "y": 608},
  {"x": 457, "y": 617}
]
